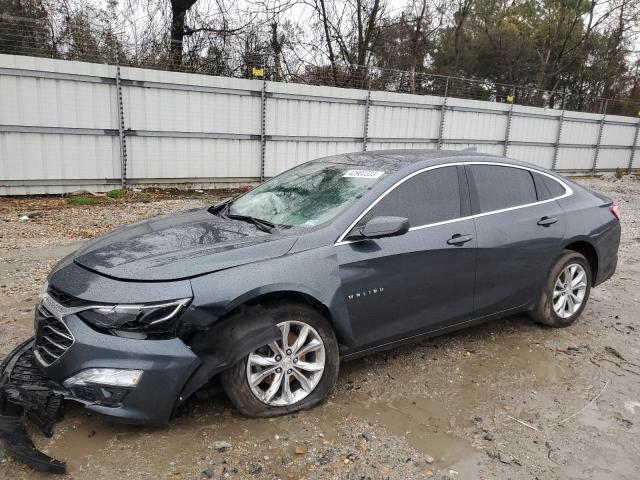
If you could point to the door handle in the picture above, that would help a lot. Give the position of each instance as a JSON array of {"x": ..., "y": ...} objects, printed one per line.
[
  {"x": 458, "y": 239},
  {"x": 546, "y": 221}
]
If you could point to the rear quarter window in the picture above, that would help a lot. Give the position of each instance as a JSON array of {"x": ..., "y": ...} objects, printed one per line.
[
  {"x": 547, "y": 187},
  {"x": 554, "y": 187},
  {"x": 497, "y": 187}
]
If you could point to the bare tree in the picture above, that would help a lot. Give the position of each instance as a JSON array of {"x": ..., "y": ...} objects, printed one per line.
[
  {"x": 324, "y": 18},
  {"x": 179, "y": 9},
  {"x": 277, "y": 42},
  {"x": 350, "y": 28}
]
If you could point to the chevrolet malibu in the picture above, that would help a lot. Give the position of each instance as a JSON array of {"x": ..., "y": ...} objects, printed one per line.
[{"x": 334, "y": 259}]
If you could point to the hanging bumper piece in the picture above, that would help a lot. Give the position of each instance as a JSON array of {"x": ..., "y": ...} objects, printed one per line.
[{"x": 26, "y": 393}]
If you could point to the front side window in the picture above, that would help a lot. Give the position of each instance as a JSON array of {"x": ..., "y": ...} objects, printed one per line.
[
  {"x": 308, "y": 195},
  {"x": 498, "y": 187},
  {"x": 429, "y": 197}
]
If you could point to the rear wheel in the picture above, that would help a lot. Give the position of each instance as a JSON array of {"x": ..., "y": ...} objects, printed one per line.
[
  {"x": 565, "y": 293},
  {"x": 295, "y": 372}
]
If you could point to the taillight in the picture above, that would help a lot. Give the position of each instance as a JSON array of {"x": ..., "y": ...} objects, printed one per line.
[{"x": 615, "y": 211}]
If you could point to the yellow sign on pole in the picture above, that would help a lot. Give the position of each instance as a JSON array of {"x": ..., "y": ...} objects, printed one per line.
[
  {"x": 509, "y": 98},
  {"x": 258, "y": 72}
]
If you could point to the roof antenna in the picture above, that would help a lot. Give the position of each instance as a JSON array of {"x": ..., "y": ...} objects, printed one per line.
[{"x": 470, "y": 149}]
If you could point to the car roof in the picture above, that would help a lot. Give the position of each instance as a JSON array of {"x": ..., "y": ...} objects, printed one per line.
[{"x": 396, "y": 160}]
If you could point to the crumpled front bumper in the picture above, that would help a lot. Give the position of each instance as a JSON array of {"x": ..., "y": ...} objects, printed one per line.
[
  {"x": 24, "y": 385},
  {"x": 27, "y": 386},
  {"x": 38, "y": 375},
  {"x": 166, "y": 366},
  {"x": 23, "y": 388}
]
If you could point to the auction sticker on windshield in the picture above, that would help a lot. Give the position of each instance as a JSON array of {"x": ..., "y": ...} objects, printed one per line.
[{"x": 363, "y": 174}]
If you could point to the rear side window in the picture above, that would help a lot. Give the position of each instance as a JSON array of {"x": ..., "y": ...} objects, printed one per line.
[
  {"x": 498, "y": 187},
  {"x": 547, "y": 187},
  {"x": 429, "y": 197}
]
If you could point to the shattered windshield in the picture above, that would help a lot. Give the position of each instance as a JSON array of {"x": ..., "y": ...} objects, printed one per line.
[{"x": 308, "y": 195}]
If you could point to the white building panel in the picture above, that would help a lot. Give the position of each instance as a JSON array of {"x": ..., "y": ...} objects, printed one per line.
[
  {"x": 283, "y": 155},
  {"x": 579, "y": 133},
  {"x": 166, "y": 157},
  {"x": 575, "y": 158},
  {"x": 401, "y": 145},
  {"x": 174, "y": 121},
  {"x": 489, "y": 148},
  {"x": 403, "y": 122},
  {"x": 160, "y": 109},
  {"x": 541, "y": 156},
  {"x": 38, "y": 156},
  {"x": 534, "y": 128},
  {"x": 314, "y": 118},
  {"x": 487, "y": 123},
  {"x": 30, "y": 101},
  {"x": 400, "y": 115},
  {"x": 618, "y": 134},
  {"x": 610, "y": 158}
]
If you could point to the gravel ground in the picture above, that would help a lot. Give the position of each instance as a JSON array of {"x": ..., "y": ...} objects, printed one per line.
[{"x": 505, "y": 400}]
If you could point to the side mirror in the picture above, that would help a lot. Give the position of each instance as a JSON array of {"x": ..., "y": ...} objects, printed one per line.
[{"x": 379, "y": 227}]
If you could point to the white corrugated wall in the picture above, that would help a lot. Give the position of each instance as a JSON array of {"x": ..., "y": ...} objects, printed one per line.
[{"x": 59, "y": 124}]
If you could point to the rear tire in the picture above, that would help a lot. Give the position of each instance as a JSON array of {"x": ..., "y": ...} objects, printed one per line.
[
  {"x": 262, "y": 399},
  {"x": 565, "y": 293}
]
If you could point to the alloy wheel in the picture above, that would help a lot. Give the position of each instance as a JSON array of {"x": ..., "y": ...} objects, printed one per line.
[
  {"x": 569, "y": 290},
  {"x": 286, "y": 371}
]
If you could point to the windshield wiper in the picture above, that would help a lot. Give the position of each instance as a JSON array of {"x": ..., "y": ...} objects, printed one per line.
[
  {"x": 219, "y": 207},
  {"x": 223, "y": 209},
  {"x": 264, "y": 225}
]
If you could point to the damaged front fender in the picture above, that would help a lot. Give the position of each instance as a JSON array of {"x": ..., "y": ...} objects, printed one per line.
[
  {"x": 227, "y": 342},
  {"x": 25, "y": 391}
]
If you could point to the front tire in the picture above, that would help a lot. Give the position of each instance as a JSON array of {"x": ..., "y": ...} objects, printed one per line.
[
  {"x": 294, "y": 373},
  {"x": 565, "y": 293}
]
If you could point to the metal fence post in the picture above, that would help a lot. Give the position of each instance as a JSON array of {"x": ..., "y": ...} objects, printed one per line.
[
  {"x": 120, "y": 105},
  {"x": 507, "y": 133},
  {"x": 602, "y": 122},
  {"x": 263, "y": 125},
  {"x": 443, "y": 113},
  {"x": 556, "y": 148},
  {"x": 121, "y": 136},
  {"x": 365, "y": 136},
  {"x": 633, "y": 148}
]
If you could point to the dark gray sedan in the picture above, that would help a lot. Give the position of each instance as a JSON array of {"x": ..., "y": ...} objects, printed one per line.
[{"x": 334, "y": 259}]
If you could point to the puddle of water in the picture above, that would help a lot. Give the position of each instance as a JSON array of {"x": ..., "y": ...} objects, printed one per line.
[
  {"x": 514, "y": 357},
  {"x": 82, "y": 440},
  {"x": 77, "y": 441},
  {"x": 424, "y": 423},
  {"x": 81, "y": 436}
]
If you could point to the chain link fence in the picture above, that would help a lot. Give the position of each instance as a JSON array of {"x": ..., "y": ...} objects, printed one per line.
[{"x": 105, "y": 41}]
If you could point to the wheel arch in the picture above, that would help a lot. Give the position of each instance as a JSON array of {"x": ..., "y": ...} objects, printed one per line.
[
  {"x": 293, "y": 295},
  {"x": 586, "y": 248},
  {"x": 299, "y": 293}
]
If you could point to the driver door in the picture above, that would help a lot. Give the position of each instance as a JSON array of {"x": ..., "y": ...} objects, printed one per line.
[{"x": 401, "y": 286}]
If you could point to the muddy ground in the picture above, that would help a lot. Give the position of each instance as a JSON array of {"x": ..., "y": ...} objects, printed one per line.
[{"x": 505, "y": 400}]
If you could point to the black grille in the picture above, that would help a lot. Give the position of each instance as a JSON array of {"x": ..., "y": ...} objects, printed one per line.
[
  {"x": 64, "y": 298},
  {"x": 53, "y": 338}
]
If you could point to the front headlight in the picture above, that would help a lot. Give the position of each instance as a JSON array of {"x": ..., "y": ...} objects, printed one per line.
[{"x": 156, "y": 317}]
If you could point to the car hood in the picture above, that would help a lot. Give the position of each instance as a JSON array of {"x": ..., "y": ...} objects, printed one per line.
[{"x": 179, "y": 246}]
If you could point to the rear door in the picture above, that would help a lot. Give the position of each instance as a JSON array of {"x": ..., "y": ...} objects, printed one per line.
[
  {"x": 519, "y": 231},
  {"x": 401, "y": 286}
]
